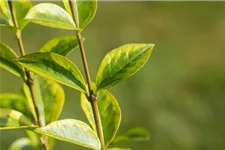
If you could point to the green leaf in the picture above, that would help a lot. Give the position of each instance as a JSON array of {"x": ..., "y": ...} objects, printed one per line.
[
  {"x": 62, "y": 45},
  {"x": 116, "y": 148},
  {"x": 73, "y": 131},
  {"x": 4, "y": 21},
  {"x": 33, "y": 137},
  {"x": 39, "y": 100},
  {"x": 12, "y": 119},
  {"x": 5, "y": 15},
  {"x": 49, "y": 98},
  {"x": 29, "y": 100},
  {"x": 50, "y": 15},
  {"x": 86, "y": 10},
  {"x": 7, "y": 55},
  {"x": 37, "y": 89},
  {"x": 14, "y": 101},
  {"x": 21, "y": 8},
  {"x": 35, "y": 140},
  {"x": 55, "y": 67},
  {"x": 53, "y": 98},
  {"x": 133, "y": 134},
  {"x": 23, "y": 144},
  {"x": 110, "y": 114},
  {"x": 121, "y": 63}
]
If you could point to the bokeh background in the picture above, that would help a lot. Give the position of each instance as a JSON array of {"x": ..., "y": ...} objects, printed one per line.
[{"x": 179, "y": 95}]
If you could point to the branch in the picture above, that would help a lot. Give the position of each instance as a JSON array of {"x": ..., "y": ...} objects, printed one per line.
[
  {"x": 91, "y": 97},
  {"x": 29, "y": 81}
]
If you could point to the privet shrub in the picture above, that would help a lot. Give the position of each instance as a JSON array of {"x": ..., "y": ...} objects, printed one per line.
[{"x": 37, "y": 107}]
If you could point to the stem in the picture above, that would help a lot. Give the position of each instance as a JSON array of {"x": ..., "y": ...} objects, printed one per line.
[
  {"x": 92, "y": 97},
  {"x": 29, "y": 81}
]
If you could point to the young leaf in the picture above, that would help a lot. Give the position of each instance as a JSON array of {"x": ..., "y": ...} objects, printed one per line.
[
  {"x": 110, "y": 114},
  {"x": 21, "y": 8},
  {"x": 50, "y": 15},
  {"x": 86, "y": 10},
  {"x": 55, "y": 67},
  {"x": 121, "y": 63},
  {"x": 133, "y": 134},
  {"x": 53, "y": 98},
  {"x": 23, "y": 144},
  {"x": 7, "y": 55},
  {"x": 62, "y": 45},
  {"x": 14, "y": 101},
  {"x": 12, "y": 119},
  {"x": 73, "y": 131}
]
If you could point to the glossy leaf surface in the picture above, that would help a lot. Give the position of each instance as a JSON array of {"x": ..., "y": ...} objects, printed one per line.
[
  {"x": 133, "y": 134},
  {"x": 86, "y": 10},
  {"x": 53, "y": 98},
  {"x": 50, "y": 15},
  {"x": 55, "y": 67},
  {"x": 20, "y": 7},
  {"x": 6, "y": 60},
  {"x": 121, "y": 63},
  {"x": 73, "y": 131},
  {"x": 62, "y": 45},
  {"x": 110, "y": 114},
  {"x": 12, "y": 119}
]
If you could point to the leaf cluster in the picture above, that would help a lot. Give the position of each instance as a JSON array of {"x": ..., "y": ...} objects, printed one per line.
[{"x": 50, "y": 67}]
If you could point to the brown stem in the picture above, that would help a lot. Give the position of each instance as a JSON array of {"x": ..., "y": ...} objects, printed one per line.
[
  {"x": 85, "y": 64},
  {"x": 91, "y": 97},
  {"x": 29, "y": 81}
]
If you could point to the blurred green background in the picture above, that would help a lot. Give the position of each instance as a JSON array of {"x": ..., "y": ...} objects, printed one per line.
[{"x": 179, "y": 96}]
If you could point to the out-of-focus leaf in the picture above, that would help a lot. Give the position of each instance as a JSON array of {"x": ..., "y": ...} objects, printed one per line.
[
  {"x": 34, "y": 137},
  {"x": 37, "y": 91},
  {"x": 109, "y": 111},
  {"x": 73, "y": 131},
  {"x": 4, "y": 21},
  {"x": 50, "y": 15},
  {"x": 133, "y": 134},
  {"x": 35, "y": 140},
  {"x": 86, "y": 10},
  {"x": 6, "y": 60},
  {"x": 38, "y": 98},
  {"x": 23, "y": 144},
  {"x": 29, "y": 100},
  {"x": 12, "y": 119},
  {"x": 62, "y": 45},
  {"x": 55, "y": 67},
  {"x": 15, "y": 102},
  {"x": 116, "y": 148},
  {"x": 53, "y": 98},
  {"x": 121, "y": 63},
  {"x": 21, "y": 8}
]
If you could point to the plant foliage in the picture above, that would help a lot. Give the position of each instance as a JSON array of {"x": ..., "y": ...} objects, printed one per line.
[{"x": 38, "y": 106}]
